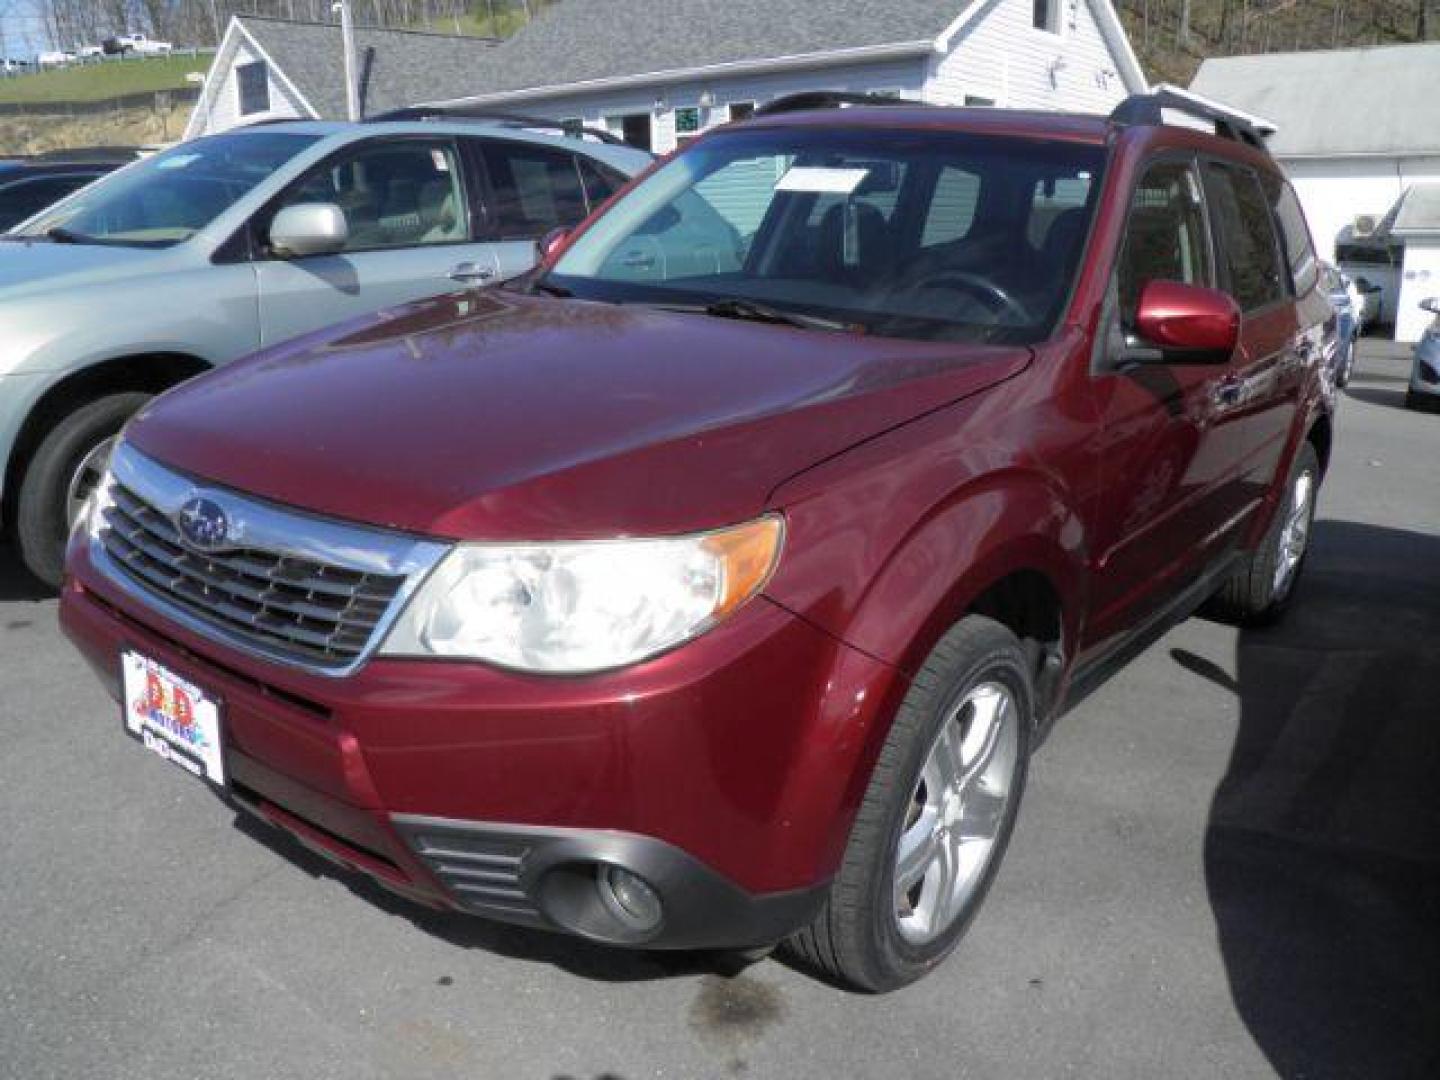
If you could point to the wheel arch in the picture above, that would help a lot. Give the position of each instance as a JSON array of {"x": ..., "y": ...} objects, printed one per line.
[{"x": 144, "y": 372}]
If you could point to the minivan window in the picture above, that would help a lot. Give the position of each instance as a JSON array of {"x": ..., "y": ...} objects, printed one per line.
[
  {"x": 1242, "y": 218},
  {"x": 166, "y": 199},
  {"x": 1164, "y": 235},
  {"x": 536, "y": 190},
  {"x": 403, "y": 193},
  {"x": 921, "y": 235}
]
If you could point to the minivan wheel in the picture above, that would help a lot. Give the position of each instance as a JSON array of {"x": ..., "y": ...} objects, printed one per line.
[
  {"x": 1259, "y": 590},
  {"x": 61, "y": 475},
  {"x": 936, "y": 817}
]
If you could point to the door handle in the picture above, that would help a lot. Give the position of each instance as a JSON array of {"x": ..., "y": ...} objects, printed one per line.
[
  {"x": 1228, "y": 391},
  {"x": 471, "y": 271}
]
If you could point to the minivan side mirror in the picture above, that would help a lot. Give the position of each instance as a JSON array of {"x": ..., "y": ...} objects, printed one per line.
[
  {"x": 1185, "y": 324},
  {"x": 308, "y": 229},
  {"x": 1431, "y": 304}
]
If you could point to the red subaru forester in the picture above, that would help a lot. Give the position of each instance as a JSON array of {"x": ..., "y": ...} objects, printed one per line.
[{"x": 710, "y": 587}]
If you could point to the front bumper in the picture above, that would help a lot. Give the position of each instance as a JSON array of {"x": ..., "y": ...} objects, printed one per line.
[{"x": 718, "y": 772}]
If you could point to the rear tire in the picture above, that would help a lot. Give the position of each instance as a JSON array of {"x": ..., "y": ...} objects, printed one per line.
[
  {"x": 1260, "y": 589},
  {"x": 923, "y": 853},
  {"x": 42, "y": 518},
  {"x": 1422, "y": 402}
]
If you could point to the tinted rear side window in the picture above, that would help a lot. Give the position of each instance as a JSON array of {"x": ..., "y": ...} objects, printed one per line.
[
  {"x": 1299, "y": 252},
  {"x": 536, "y": 190},
  {"x": 1241, "y": 214},
  {"x": 21, "y": 200}
]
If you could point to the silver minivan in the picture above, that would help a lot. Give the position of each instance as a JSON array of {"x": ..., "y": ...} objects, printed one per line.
[{"x": 232, "y": 243}]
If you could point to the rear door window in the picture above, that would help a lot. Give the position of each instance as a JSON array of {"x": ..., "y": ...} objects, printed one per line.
[
  {"x": 1246, "y": 236},
  {"x": 1299, "y": 252},
  {"x": 536, "y": 189}
]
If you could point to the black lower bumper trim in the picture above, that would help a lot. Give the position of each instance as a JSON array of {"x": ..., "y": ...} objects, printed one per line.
[{"x": 546, "y": 877}]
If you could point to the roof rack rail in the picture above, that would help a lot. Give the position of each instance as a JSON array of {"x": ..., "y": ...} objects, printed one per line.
[
  {"x": 501, "y": 119},
  {"x": 1148, "y": 110},
  {"x": 827, "y": 99}
]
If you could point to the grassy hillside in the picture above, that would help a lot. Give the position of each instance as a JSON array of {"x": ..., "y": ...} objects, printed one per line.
[
  {"x": 100, "y": 81},
  {"x": 1230, "y": 27}
]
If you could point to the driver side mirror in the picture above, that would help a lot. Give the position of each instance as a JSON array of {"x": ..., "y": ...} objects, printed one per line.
[
  {"x": 1184, "y": 324},
  {"x": 309, "y": 229}
]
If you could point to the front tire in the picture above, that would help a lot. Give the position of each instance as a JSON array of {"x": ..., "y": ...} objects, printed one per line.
[
  {"x": 936, "y": 817},
  {"x": 55, "y": 483}
]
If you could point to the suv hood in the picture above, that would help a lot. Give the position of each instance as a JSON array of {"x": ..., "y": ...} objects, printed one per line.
[
  {"x": 33, "y": 265},
  {"x": 501, "y": 416}
]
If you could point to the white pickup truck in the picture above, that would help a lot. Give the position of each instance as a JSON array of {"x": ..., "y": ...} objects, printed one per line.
[{"x": 144, "y": 46}]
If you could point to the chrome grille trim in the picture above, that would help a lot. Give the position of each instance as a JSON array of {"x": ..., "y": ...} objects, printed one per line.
[{"x": 294, "y": 588}]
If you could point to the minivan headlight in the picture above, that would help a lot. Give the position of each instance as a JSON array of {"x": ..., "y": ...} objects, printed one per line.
[{"x": 581, "y": 607}]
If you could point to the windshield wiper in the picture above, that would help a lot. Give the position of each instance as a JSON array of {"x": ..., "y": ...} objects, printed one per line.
[
  {"x": 63, "y": 235},
  {"x": 751, "y": 311},
  {"x": 542, "y": 286}
]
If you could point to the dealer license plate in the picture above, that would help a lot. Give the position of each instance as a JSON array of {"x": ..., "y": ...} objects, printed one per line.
[{"x": 173, "y": 718}]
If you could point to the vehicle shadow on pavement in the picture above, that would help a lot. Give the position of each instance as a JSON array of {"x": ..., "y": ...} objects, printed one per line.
[
  {"x": 1322, "y": 853},
  {"x": 587, "y": 960},
  {"x": 1386, "y": 397},
  {"x": 16, "y": 583}
]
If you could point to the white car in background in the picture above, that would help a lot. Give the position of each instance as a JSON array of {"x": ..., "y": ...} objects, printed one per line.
[{"x": 54, "y": 58}]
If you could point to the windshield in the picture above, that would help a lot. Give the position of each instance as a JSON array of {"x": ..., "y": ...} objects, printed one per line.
[
  {"x": 914, "y": 234},
  {"x": 170, "y": 197}
]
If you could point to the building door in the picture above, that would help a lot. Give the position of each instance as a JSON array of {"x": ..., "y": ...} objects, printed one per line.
[{"x": 635, "y": 130}]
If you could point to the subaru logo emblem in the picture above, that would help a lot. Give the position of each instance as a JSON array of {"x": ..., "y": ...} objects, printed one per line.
[{"x": 203, "y": 524}]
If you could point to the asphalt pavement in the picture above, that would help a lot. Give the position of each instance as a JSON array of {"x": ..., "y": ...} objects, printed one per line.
[{"x": 1228, "y": 865}]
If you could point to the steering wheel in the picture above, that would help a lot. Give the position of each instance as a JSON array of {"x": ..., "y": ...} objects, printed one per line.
[{"x": 982, "y": 288}]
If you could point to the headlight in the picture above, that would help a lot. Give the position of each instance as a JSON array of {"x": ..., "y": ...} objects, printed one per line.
[
  {"x": 584, "y": 607},
  {"x": 91, "y": 517}
]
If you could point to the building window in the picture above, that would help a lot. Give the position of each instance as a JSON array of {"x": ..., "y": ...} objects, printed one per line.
[
  {"x": 1045, "y": 15},
  {"x": 254, "y": 83},
  {"x": 976, "y": 101},
  {"x": 687, "y": 124},
  {"x": 742, "y": 110}
]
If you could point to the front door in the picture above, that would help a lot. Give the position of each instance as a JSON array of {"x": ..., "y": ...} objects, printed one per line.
[
  {"x": 1167, "y": 458},
  {"x": 411, "y": 236}
]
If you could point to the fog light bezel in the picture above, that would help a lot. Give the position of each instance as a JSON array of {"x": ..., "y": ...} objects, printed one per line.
[{"x": 576, "y": 896}]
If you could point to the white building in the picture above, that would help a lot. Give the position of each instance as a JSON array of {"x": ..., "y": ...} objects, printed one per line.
[
  {"x": 659, "y": 71},
  {"x": 1356, "y": 128}
]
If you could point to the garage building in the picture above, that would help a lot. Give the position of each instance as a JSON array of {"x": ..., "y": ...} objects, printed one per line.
[{"x": 1356, "y": 128}]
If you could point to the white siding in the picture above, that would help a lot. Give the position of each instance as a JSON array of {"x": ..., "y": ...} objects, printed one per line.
[
  {"x": 1421, "y": 281},
  {"x": 906, "y": 78},
  {"x": 1000, "y": 55},
  {"x": 219, "y": 108}
]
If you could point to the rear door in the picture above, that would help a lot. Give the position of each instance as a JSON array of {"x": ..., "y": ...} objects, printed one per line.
[
  {"x": 413, "y": 232},
  {"x": 1256, "y": 402}
]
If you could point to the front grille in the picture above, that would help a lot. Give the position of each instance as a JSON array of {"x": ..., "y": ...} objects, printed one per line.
[
  {"x": 297, "y": 608},
  {"x": 481, "y": 872}
]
